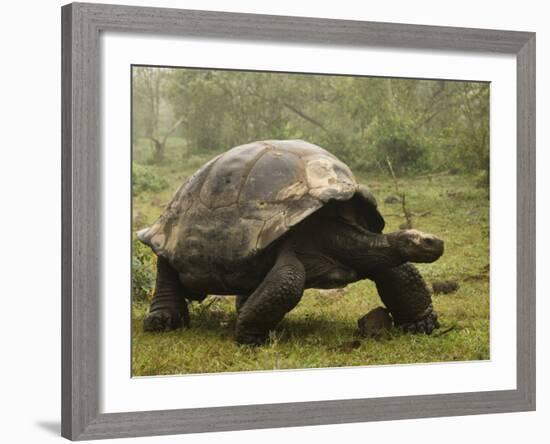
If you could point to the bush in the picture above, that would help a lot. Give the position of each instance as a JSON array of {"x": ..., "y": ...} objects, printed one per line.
[
  {"x": 143, "y": 271},
  {"x": 399, "y": 142},
  {"x": 144, "y": 178},
  {"x": 404, "y": 154}
]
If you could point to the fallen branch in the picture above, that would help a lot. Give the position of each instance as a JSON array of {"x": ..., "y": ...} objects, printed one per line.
[{"x": 444, "y": 332}]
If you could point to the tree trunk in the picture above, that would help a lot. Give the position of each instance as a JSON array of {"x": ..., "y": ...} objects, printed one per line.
[
  {"x": 159, "y": 149},
  {"x": 159, "y": 146}
]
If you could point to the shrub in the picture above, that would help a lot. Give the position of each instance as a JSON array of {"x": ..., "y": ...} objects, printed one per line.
[
  {"x": 404, "y": 154},
  {"x": 143, "y": 271},
  {"x": 144, "y": 178},
  {"x": 400, "y": 142}
]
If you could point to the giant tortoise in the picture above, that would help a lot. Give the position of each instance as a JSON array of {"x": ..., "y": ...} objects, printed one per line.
[{"x": 268, "y": 219}]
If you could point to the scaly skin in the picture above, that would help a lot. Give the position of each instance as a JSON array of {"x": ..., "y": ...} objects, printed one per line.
[
  {"x": 279, "y": 293},
  {"x": 405, "y": 293},
  {"x": 168, "y": 309}
]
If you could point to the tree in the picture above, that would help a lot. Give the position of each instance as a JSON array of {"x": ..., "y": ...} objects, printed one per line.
[{"x": 149, "y": 85}]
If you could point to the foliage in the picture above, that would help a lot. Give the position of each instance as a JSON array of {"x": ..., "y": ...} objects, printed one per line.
[
  {"x": 145, "y": 179},
  {"x": 398, "y": 142},
  {"x": 143, "y": 271},
  {"x": 422, "y": 125}
]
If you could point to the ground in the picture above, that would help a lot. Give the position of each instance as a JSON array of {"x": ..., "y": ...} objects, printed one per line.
[{"x": 322, "y": 330}]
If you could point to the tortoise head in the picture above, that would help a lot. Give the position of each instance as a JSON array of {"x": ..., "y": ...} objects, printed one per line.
[{"x": 416, "y": 246}]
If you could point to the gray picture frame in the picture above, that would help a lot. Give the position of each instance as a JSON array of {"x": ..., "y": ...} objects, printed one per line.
[{"x": 81, "y": 239}]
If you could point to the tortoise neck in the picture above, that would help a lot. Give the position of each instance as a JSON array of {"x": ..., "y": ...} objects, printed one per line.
[{"x": 365, "y": 251}]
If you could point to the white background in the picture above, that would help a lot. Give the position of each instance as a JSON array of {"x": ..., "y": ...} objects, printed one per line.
[{"x": 30, "y": 220}]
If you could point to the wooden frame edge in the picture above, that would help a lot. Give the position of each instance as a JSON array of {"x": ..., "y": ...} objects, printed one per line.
[
  {"x": 526, "y": 220},
  {"x": 80, "y": 221}
]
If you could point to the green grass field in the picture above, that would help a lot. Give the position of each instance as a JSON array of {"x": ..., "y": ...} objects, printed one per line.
[{"x": 322, "y": 330}]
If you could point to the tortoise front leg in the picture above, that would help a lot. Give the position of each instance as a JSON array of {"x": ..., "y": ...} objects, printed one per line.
[
  {"x": 280, "y": 292},
  {"x": 405, "y": 293},
  {"x": 168, "y": 309}
]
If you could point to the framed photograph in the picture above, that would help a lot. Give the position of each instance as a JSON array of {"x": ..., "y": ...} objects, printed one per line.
[{"x": 276, "y": 221}]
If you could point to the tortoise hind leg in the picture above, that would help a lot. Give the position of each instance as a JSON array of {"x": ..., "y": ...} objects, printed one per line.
[
  {"x": 168, "y": 309},
  {"x": 240, "y": 299},
  {"x": 279, "y": 292}
]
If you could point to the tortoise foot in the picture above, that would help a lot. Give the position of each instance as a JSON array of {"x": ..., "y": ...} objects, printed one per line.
[
  {"x": 251, "y": 338},
  {"x": 164, "y": 320},
  {"x": 426, "y": 324}
]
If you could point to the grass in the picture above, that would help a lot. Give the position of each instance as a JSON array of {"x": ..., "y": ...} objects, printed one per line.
[{"x": 322, "y": 330}]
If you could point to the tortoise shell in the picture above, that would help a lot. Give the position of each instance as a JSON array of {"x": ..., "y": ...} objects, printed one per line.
[{"x": 240, "y": 202}]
